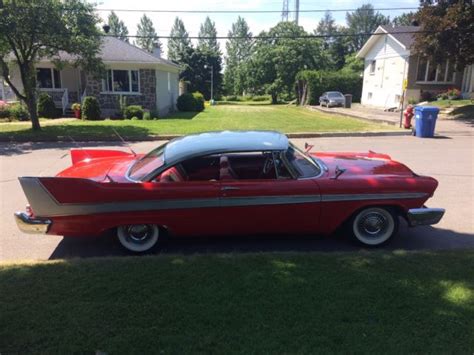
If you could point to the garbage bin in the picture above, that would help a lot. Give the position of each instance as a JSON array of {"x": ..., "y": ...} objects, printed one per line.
[
  {"x": 425, "y": 121},
  {"x": 347, "y": 101}
]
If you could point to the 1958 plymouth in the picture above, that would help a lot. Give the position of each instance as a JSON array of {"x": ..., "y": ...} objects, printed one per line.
[{"x": 223, "y": 183}]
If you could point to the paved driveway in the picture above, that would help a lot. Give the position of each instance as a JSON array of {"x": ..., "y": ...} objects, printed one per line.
[{"x": 448, "y": 159}]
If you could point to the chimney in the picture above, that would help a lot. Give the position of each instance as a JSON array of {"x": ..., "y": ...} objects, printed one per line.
[{"x": 156, "y": 51}]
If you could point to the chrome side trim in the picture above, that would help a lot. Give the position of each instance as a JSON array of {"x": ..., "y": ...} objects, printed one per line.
[
  {"x": 45, "y": 205},
  {"x": 31, "y": 225},
  {"x": 366, "y": 197},
  {"x": 424, "y": 216}
]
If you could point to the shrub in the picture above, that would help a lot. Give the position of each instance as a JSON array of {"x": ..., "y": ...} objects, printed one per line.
[
  {"x": 317, "y": 82},
  {"x": 427, "y": 96},
  {"x": 199, "y": 101},
  {"x": 90, "y": 109},
  {"x": 4, "y": 110},
  {"x": 154, "y": 114},
  {"x": 133, "y": 111},
  {"x": 147, "y": 116},
  {"x": 231, "y": 98},
  {"x": 76, "y": 106},
  {"x": 247, "y": 98},
  {"x": 135, "y": 118},
  {"x": 259, "y": 98},
  {"x": 46, "y": 107},
  {"x": 19, "y": 112},
  {"x": 186, "y": 102}
]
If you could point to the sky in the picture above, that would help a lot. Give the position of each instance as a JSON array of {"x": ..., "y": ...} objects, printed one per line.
[{"x": 257, "y": 21}]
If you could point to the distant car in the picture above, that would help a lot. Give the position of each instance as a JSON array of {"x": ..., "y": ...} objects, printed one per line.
[
  {"x": 222, "y": 183},
  {"x": 332, "y": 99}
]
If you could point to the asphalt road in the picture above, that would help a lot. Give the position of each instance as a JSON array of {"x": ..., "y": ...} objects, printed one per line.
[{"x": 450, "y": 159}]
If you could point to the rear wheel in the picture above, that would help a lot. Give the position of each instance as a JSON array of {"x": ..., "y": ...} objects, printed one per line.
[
  {"x": 374, "y": 226},
  {"x": 138, "y": 238}
]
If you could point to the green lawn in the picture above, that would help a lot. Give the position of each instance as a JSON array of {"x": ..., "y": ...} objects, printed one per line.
[
  {"x": 449, "y": 103},
  {"x": 377, "y": 302},
  {"x": 287, "y": 119}
]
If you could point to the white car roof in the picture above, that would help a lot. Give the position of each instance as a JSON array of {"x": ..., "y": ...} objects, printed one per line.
[{"x": 207, "y": 143}]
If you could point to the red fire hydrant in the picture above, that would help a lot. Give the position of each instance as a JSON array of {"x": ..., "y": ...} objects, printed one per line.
[{"x": 408, "y": 116}]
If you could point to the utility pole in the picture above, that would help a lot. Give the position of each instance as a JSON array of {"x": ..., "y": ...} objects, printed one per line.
[
  {"x": 285, "y": 11},
  {"x": 297, "y": 11}
]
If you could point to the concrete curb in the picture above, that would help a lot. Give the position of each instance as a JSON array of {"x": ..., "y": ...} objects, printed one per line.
[
  {"x": 377, "y": 120},
  {"x": 169, "y": 137}
]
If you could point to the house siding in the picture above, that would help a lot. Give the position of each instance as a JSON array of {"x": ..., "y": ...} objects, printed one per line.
[
  {"x": 110, "y": 103},
  {"x": 383, "y": 88},
  {"x": 167, "y": 91}
]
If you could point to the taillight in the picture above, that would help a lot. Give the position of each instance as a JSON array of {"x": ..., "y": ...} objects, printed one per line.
[{"x": 29, "y": 211}]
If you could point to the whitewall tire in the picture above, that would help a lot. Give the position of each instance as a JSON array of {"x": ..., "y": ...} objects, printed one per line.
[
  {"x": 138, "y": 238},
  {"x": 374, "y": 226}
]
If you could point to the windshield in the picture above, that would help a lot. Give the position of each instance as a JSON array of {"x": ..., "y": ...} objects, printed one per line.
[
  {"x": 304, "y": 165},
  {"x": 147, "y": 164},
  {"x": 335, "y": 95}
]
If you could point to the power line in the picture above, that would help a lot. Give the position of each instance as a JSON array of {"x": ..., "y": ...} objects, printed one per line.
[
  {"x": 253, "y": 11},
  {"x": 275, "y": 37}
]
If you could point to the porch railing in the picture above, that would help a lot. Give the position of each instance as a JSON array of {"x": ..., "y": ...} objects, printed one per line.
[{"x": 65, "y": 101}]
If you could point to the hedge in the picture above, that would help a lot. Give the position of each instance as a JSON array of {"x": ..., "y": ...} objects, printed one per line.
[
  {"x": 191, "y": 102},
  {"x": 133, "y": 111},
  {"x": 46, "y": 107},
  {"x": 90, "y": 109},
  {"x": 313, "y": 83}
]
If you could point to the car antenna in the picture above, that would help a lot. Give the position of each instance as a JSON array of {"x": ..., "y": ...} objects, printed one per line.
[{"x": 123, "y": 140}]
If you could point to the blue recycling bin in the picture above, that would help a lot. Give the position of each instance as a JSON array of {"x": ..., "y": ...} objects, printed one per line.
[{"x": 425, "y": 121}]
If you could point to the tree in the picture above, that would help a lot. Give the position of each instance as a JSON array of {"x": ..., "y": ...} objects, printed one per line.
[
  {"x": 448, "y": 30},
  {"x": 276, "y": 61},
  {"x": 69, "y": 27},
  {"x": 363, "y": 20},
  {"x": 405, "y": 19},
  {"x": 147, "y": 37},
  {"x": 179, "y": 44},
  {"x": 336, "y": 44},
  {"x": 239, "y": 49},
  {"x": 208, "y": 37},
  {"x": 117, "y": 27},
  {"x": 208, "y": 50}
]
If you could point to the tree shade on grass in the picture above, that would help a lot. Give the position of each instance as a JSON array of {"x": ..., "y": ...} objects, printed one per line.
[
  {"x": 395, "y": 302},
  {"x": 287, "y": 119}
]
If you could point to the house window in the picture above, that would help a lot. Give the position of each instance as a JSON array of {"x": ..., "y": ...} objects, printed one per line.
[
  {"x": 121, "y": 81},
  {"x": 48, "y": 78},
  {"x": 372, "y": 67},
  {"x": 429, "y": 72}
]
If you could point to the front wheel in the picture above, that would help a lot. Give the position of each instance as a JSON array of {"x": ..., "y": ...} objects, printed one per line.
[
  {"x": 374, "y": 226},
  {"x": 138, "y": 238}
]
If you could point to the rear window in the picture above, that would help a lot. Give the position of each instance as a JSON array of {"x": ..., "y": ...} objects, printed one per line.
[{"x": 335, "y": 94}]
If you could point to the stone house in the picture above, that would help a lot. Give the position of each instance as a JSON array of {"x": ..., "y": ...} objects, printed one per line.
[
  {"x": 140, "y": 77},
  {"x": 389, "y": 64}
]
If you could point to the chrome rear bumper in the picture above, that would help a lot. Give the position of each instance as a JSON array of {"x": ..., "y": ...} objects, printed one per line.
[
  {"x": 31, "y": 225},
  {"x": 424, "y": 216}
]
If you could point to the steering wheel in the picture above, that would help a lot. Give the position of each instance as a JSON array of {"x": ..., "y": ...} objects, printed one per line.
[{"x": 267, "y": 165}]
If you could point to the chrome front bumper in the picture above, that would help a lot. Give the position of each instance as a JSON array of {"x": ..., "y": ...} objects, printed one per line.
[
  {"x": 424, "y": 216},
  {"x": 31, "y": 225}
]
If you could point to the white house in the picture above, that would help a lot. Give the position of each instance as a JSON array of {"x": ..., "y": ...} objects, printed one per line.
[
  {"x": 142, "y": 78},
  {"x": 390, "y": 63}
]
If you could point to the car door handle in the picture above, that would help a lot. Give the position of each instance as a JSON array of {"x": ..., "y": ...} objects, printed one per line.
[{"x": 229, "y": 188}]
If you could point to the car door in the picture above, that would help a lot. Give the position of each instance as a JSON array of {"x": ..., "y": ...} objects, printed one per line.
[
  {"x": 275, "y": 205},
  {"x": 189, "y": 207}
]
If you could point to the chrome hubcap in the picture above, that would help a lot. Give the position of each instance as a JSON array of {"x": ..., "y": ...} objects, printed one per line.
[
  {"x": 373, "y": 224},
  {"x": 139, "y": 233}
]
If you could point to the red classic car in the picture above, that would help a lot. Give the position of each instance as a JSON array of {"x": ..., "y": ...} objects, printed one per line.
[{"x": 223, "y": 183}]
